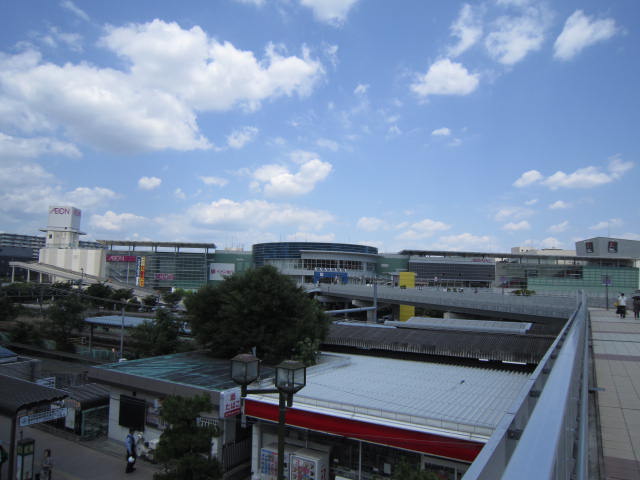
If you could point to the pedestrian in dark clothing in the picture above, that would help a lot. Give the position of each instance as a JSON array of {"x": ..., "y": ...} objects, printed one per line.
[
  {"x": 47, "y": 465},
  {"x": 130, "y": 443},
  {"x": 636, "y": 306}
]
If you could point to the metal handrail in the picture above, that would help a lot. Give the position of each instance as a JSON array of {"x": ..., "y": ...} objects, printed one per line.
[{"x": 548, "y": 422}]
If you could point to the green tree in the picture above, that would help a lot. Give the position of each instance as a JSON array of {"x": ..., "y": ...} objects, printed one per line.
[
  {"x": 173, "y": 298},
  {"x": 102, "y": 294},
  {"x": 122, "y": 294},
  {"x": 149, "y": 302},
  {"x": 185, "y": 447},
  {"x": 159, "y": 337},
  {"x": 23, "y": 332},
  {"x": 8, "y": 309},
  {"x": 65, "y": 317},
  {"x": 257, "y": 308},
  {"x": 407, "y": 471}
]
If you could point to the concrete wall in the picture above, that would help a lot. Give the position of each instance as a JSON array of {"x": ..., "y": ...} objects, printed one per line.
[{"x": 91, "y": 261}]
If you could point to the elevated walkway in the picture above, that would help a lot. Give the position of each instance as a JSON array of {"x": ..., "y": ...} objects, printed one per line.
[
  {"x": 77, "y": 277},
  {"x": 616, "y": 357}
]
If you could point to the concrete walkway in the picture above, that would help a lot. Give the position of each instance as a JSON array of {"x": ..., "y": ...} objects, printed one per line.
[{"x": 616, "y": 354}]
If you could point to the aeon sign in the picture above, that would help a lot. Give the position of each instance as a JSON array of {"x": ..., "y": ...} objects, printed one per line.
[{"x": 64, "y": 218}]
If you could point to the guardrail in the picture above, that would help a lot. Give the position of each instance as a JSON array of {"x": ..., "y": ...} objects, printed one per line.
[{"x": 544, "y": 433}]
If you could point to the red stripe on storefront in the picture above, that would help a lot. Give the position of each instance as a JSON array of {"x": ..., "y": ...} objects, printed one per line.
[{"x": 442, "y": 446}]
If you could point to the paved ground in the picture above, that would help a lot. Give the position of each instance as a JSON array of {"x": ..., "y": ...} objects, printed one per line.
[
  {"x": 97, "y": 460},
  {"x": 616, "y": 351}
]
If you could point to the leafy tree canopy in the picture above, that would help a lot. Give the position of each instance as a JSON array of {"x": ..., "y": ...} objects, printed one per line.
[
  {"x": 256, "y": 308},
  {"x": 185, "y": 447},
  {"x": 159, "y": 337},
  {"x": 101, "y": 292},
  {"x": 406, "y": 471},
  {"x": 65, "y": 317}
]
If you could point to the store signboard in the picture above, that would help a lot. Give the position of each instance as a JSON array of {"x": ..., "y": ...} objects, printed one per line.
[
  {"x": 63, "y": 217},
  {"x": 218, "y": 271},
  {"x": 40, "y": 417},
  {"x": 121, "y": 258},
  {"x": 230, "y": 403},
  {"x": 164, "y": 276}
]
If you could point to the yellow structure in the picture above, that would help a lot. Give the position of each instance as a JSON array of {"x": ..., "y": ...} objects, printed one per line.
[{"x": 407, "y": 280}]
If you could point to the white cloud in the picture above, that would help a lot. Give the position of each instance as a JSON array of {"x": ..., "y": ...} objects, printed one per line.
[
  {"x": 149, "y": 183},
  {"x": 533, "y": 201},
  {"x": 215, "y": 181},
  {"x": 55, "y": 37},
  {"x": 467, "y": 28},
  {"x": 277, "y": 180},
  {"x": 328, "y": 144},
  {"x": 89, "y": 197},
  {"x": 607, "y": 224},
  {"x": 333, "y": 12},
  {"x": 514, "y": 227},
  {"x": 239, "y": 138},
  {"x": 361, "y": 89},
  {"x": 527, "y": 178},
  {"x": 581, "y": 31},
  {"x": 513, "y": 37},
  {"x": 466, "y": 242},
  {"x": 560, "y": 227},
  {"x": 227, "y": 214},
  {"x": 586, "y": 177},
  {"x": 179, "y": 194},
  {"x": 370, "y": 224},
  {"x": 257, "y": 3},
  {"x": 445, "y": 77},
  {"x": 73, "y": 8},
  {"x": 310, "y": 237},
  {"x": 441, "y": 132},
  {"x": 171, "y": 73},
  {"x": 115, "y": 222},
  {"x": 423, "y": 229},
  {"x": 559, "y": 205},
  {"x": 512, "y": 213},
  {"x": 551, "y": 242},
  {"x": 15, "y": 147}
]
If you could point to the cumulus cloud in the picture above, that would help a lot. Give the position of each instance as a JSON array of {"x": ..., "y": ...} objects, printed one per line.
[
  {"x": 228, "y": 214},
  {"x": 527, "y": 178},
  {"x": 441, "y": 132},
  {"x": 516, "y": 226},
  {"x": 328, "y": 144},
  {"x": 171, "y": 73},
  {"x": 333, "y": 12},
  {"x": 277, "y": 180},
  {"x": 17, "y": 147},
  {"x": 533, "y": 201},
  {"x": 370, "y": 224},
  {"x": 423, "y": 229},
  {"x": 310, "y": 237},
  {"x": 514, "y": 36},
  {"x": 361, "y": 89},
  {"x": 559, "y": 205},
  {"x": 467, "y": 28},
  {"x": 445, "y": 77},
  {"x": 607, "y": 224},
  {"x": 560, "y": 227},
  {"x": 149, "y": 183},
  {"x": 512, "y": 213},
  {"x": 466, "y": 242},
  {"x": 551, "y": 242},
  {"x": 587, "y": 177},
  {"x": 239, "y": 138},
  {"x": 581, "y": 31},
  {"x": 214, "y": 181},
  {"x": 115, "y": 222}
]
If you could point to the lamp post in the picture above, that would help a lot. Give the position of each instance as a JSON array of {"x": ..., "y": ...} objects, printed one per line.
[{"x": 291, "y": 377}]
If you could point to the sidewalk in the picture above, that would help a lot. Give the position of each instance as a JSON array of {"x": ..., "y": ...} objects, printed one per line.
[
  {"x": 616, "y": 355},
  {"x": 75, "y": 460}
]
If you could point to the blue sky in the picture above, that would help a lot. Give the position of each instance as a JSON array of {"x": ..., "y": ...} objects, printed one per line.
[{"x": 410, "y": 124}]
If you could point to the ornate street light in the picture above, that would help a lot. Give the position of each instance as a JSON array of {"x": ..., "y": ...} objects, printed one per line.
[{"x": 291, "y": 377}]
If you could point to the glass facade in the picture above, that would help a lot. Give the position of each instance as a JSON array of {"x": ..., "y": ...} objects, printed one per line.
[{"x": 263, "y": 252}]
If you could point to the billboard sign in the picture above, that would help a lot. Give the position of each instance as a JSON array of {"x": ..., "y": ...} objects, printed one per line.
[
  {"x": 230, "y": 403},
  {"x": 64, "y": 218},
  {"x": 164, "y": 276},
  {"x": 218, "y": 271},
  {"x": 121, "y": 258}
]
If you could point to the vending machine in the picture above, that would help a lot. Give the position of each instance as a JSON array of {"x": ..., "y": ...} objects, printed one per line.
[
  {"x": 268, "y": 467},
  {"x": 307, "y": 464}
]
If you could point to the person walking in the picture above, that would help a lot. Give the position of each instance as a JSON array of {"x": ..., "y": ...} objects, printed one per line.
[
  {"x": 130, "y": 443},
  {"x": 47, "y": 465},
  {"x": 622, "y": 306},
  {"x": 636, "y": 306}
]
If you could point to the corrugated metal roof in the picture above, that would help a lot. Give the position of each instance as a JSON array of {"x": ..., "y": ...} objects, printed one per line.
[
  {"x": 474, "y": 345},
  {"x": 89, "y": 394},
  {"x": 18, "y": 394},
  {"x": 457, "y": 324},
  {"x": 448, "y": 397}
]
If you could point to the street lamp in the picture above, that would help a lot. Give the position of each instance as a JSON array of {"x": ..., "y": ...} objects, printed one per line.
[{"x": 291, "y": 377}]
